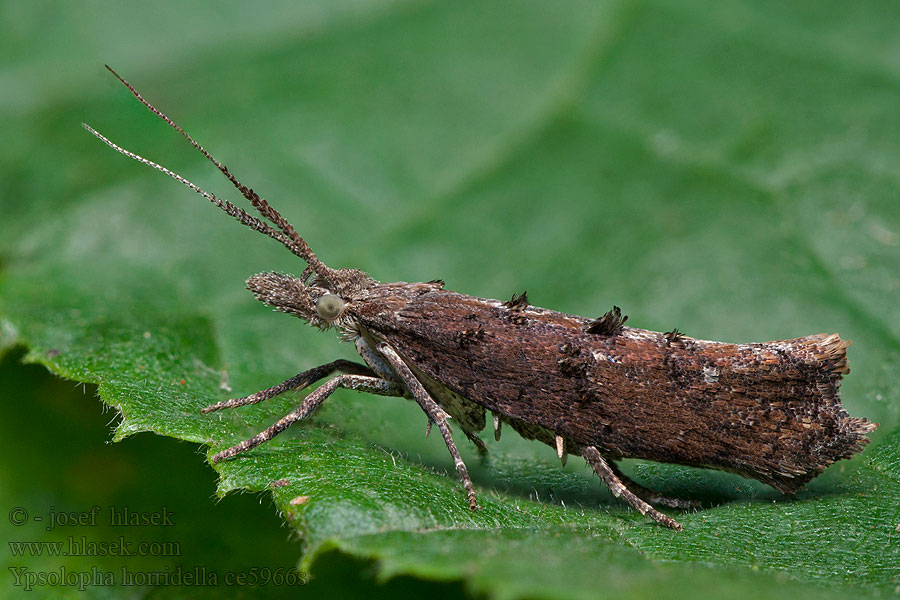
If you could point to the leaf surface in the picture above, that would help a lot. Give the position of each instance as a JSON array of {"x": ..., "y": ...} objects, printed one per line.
[{"x": 730, "y": 170}]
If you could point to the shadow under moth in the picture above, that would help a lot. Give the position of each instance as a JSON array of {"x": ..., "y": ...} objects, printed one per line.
[{"x": 594, "y": 388}]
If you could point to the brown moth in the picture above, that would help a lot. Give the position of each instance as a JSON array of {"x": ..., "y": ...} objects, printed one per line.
[{"x": 595, "y": 388}]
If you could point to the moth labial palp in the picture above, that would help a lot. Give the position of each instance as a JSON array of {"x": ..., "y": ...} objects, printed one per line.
[{"x": 594, "y": 388}]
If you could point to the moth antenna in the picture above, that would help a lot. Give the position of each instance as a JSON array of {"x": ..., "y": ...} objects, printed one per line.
[
  {"x": 235, "y": 211},
  {"x": 299, "y": 247}
]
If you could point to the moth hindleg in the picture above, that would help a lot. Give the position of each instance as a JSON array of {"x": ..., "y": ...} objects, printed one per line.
[
  {"x": 651, "y": 496},
  {"x": 310, "y": 403},
  {"x": 619, "y": 490},
  {"x": 435, "y": 413},
  {"x": 477, "y": 441},
  {"x": 297, "y": 382}
]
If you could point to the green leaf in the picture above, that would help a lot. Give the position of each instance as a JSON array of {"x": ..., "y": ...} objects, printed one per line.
[{"x": 729, "y": 169}]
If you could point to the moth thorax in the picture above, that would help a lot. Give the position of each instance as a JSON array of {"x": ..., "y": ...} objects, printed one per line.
[{"x": 329, "y": 306}]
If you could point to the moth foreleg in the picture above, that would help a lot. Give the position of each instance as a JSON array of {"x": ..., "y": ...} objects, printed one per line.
[
  {"x": 310, "y": 403},
  {"x": 619, "y": 490},
  {"x": 651, "y": 496},
  {"x": 435, "y": 413},
  {"x": 297, "y": 382}
]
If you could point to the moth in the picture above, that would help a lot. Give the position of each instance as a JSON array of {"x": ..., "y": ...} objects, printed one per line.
[{"x": 594, "y": 388}]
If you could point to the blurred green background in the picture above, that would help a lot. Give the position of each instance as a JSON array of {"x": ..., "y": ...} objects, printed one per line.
[{"x": 727, "y": 168}]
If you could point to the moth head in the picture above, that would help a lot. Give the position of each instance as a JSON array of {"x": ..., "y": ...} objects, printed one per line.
[{"x": 323, "y": 303}]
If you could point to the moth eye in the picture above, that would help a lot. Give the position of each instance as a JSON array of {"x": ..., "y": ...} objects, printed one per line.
[{"x": 329, "y": 306}]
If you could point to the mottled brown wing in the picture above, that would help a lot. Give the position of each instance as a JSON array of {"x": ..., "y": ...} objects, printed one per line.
[{"x": 770, "y": 411}]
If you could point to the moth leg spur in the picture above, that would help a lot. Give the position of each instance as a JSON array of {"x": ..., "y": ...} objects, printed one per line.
[
  {"x": 374, "y": 385},
  {"x": 619, "y": 490},
  {"x": 297, "y": 382},
  {"x": 435, "y": 414}
]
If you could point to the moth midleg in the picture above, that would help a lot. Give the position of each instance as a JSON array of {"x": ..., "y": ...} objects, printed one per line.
[
  {"x": 310, "y": 403},
  {"x": 297, "y": 382},
  {"x": 468, "y": 415},
  {"x": 651, "y": 496},
  {"x": 435, "y": 413},
  {"x": 619, "y": 490}
]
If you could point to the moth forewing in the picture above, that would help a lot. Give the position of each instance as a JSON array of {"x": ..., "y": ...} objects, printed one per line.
[
  {"x": 591, "y": 387},
  {"x": 770, "y": 411}
]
